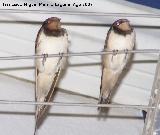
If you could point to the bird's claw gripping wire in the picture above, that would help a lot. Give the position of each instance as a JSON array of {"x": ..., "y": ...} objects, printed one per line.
[
  {"x": 114, "y": 53},
  {"x": 61, "y": 54},
  {"x": 44, "y": 58},
  {"x": 126, "y": 53}
]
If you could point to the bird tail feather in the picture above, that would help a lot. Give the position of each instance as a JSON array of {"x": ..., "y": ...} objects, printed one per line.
[
  {"x": 108, "y": 81},
  {"x": 41, "y": 109}
]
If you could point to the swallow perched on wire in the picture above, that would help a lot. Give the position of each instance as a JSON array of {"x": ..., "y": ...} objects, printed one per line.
[
  {"x": 121, "y": 36},
  {"x": 51, "y": 39}
]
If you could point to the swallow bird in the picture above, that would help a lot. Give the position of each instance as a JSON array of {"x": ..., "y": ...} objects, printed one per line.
[
  {"x": 121, "y": 36},
  {"x": 51, "y": 39}
]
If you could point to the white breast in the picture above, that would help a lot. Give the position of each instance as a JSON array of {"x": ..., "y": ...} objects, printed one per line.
[
  {"x": 119, "y": 42},
  {"x": 51, "y": 45}
]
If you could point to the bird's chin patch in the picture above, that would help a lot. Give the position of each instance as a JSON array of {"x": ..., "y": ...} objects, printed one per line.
[
  {"x": 54, "y": 25},
  {"x": 122, "y": 31},
  {"x": 124, "y": 27},
  {"x": 56, "y": 33},
  {"x": 125, "y": 30}
]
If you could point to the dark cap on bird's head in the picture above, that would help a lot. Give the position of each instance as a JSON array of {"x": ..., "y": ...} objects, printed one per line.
[
  {"x": 52, "y": 23},
  {"x": 122, "y": 26}
]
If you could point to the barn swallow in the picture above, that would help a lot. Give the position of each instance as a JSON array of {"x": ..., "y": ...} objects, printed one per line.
[
  {"x": 51, "y": 39},
  {"x": 121, "y": 36}
]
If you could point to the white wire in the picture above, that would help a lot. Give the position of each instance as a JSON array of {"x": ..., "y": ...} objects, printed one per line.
[
  {"x": 81, "y": 54},
  {"x": 141, "y": 107},
  {"x": 80, "y": 13}
]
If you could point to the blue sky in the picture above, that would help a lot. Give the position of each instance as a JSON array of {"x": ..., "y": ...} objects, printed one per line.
[{"x": 149, "y": 3}]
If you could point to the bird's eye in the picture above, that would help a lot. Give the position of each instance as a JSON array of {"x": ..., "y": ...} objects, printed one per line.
[{"x": 117, "y": 23}]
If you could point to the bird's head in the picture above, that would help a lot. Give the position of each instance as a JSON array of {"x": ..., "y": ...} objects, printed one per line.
[
  {"x": 122, "y": 26},
  {"x": 52, "y": 23}
]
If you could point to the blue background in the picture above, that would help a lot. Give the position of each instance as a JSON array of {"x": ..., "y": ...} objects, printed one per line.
[{"x": 149, "y": 3}]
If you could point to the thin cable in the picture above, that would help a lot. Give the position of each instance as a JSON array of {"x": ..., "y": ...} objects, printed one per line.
[
  {"x": 141, "y": 107},
  {"x": 81, "y": 54},
  {"x": 80, "y": 13}
]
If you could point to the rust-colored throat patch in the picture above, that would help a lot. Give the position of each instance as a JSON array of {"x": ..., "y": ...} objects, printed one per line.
[
  {"x": 54, "y": 25},
  {"x": 125, "y": 26}
]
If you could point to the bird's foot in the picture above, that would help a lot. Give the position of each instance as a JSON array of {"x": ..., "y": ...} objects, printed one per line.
[
  {"x": 114, "y": 53},
  {"x": 45, "y": 55},
  {"x": 61, "y": 54},
  {"x": 126, "y": 53}
]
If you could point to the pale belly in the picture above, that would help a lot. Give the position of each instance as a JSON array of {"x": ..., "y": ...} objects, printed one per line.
[
  {"x": 117, "y": 62},
  {"x": 51, "y": 46}
]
